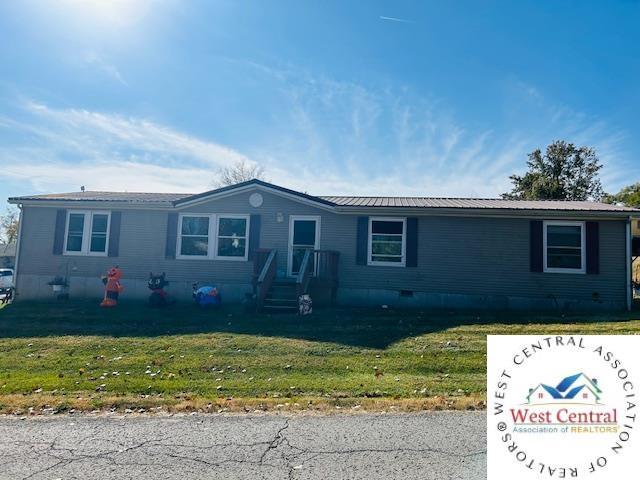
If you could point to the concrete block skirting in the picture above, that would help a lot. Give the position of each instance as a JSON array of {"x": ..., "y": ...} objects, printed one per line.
[{"x": 393, "y": 298}]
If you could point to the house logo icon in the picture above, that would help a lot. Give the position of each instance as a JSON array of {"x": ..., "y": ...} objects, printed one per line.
[{"x": 574, "y": 389}]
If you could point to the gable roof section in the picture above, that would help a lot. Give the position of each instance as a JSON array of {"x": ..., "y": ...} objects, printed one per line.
[
  {"x": 337, "y": 203},
  {"x": 218, "y": 192}
]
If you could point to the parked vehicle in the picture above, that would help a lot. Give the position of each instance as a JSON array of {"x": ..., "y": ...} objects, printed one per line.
[
  {"x": 6, "y": 285},
  {"x": 6, "y": 278}
]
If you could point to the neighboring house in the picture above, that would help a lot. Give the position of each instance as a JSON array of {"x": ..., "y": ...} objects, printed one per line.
[
  {"x": 7, "y": 255},
  {"x": 405, "y": 251}
]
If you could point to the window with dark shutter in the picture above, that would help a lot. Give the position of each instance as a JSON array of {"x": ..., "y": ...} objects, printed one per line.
[
  {"x": 254, "y": 234},
  {"x": 58, "y": 234},
  {"x": 593, "y": 248},
  {"x": 172, "y": 235},
  {"x": 114, "y": 234},
  {"x": 84, "y": 232},
  {"x": 361, "y": 240},
  {"x": 412, "y": 242},
  {"x": 536, "y": 246}
]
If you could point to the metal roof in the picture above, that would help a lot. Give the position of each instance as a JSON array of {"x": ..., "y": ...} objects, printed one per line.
[
  {"x": 346, "y": 202},
  {"x": 474, "y": 203},
  {"x": 124, "y": 197}
]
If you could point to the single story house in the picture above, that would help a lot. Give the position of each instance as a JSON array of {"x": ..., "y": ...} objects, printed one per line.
[{"x": 260, "y": 239}]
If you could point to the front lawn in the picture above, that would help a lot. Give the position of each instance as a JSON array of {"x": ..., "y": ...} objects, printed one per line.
[{"x": 78, "y": 356}]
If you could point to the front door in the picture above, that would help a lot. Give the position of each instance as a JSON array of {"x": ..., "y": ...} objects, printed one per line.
[{"x": 304, "y": 233}]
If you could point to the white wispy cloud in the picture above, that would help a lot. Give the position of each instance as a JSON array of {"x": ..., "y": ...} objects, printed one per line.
[
  {"x": 327, "y": 137},
  {"x": 97, "y": 61},
  {"x": 395, "y": 19},
  {"x": 71, "y": 147},
  {"x": 342, "y": 137}
]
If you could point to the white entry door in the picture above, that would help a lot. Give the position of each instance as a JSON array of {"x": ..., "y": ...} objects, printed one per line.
[{"x": 304, "y": 233}]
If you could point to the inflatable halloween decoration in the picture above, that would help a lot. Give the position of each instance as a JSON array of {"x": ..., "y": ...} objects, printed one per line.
[
  {"x": 206, "y": 296},
  {"x": 159, "y": 297},
  {"x": 305, "y": 305},
  {"x": 112, "y": 287}
]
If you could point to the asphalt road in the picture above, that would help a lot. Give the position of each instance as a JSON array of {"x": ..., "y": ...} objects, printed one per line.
[{"x": 438, "y": 445}]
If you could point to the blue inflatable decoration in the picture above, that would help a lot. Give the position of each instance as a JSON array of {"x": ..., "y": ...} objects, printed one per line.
[{"x": 206, "y": 296}]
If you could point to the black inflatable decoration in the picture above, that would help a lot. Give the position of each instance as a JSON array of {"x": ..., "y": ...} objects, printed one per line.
[{"x": 159, "y": 297}]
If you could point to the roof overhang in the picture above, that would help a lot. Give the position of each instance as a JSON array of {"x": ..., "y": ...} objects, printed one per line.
[
  {"x": 488, "y": 212},
  {"x": 189, "y": 201},
  {"x": 95, "y": 204}
]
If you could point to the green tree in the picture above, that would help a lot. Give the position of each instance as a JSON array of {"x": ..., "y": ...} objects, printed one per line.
[
  {"x": 629, "y": 195},
  {"x": 563, "y": 172}
]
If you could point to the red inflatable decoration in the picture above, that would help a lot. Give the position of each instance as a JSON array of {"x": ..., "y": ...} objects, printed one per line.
[{"x": 112, "y": 287}]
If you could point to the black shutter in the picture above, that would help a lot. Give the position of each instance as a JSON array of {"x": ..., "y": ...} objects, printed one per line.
[
  {"x": 412, "y": 242},
  {"x": 58, "y": 234},
  {"x": 172, "y": 235},
  {"x": 362, "y": 241},
  {"x": 254, "y": 235},
  {"x": 536, "y": 246},
  {"x": 593, "y": 248},
  {"x": 114, "y": 234}
]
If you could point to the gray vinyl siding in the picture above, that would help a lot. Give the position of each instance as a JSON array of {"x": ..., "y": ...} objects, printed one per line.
[
  {"x": 456, "y": 255},
  {"x": 490, "y": 256}
]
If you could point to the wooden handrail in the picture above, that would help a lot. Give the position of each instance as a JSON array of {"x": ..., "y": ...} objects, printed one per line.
[
  {"x": 326, "y": 264},
  {"x": 304, "y": 274},
  {"x": 266, "y": 277},
  {"x": 320, "y": 265}
]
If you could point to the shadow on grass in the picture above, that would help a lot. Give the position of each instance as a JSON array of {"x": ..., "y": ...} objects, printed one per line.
[{"x": 370, "y": 328}]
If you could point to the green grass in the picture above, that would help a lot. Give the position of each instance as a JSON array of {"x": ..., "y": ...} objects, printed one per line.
[{"x": 76, "y": 355}]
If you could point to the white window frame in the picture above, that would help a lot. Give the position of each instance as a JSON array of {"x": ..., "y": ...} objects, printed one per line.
[
  {"x": 210, "y": 231},
  {"x": 246, "y": 237},
  {"x": 403, "y": 260},
  {"x": 86, "y": 233},
  {"x": 212, "y": 235},
  {"x": 583, "y": 249}
]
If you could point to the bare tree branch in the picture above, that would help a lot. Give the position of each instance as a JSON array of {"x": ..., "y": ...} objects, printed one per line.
[
  {"x": 238, "y": 173},
  {"x": 9, "y": 226}
]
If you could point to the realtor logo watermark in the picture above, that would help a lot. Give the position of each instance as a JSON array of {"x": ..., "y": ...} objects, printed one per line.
[{"x": 562, "y": 406}]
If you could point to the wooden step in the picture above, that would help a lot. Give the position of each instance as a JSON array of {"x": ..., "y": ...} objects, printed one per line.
[
  {"x": 279, "y": 308},
  {"x": 287, "y": 282},
  {"x": 281, "y": 298},
  {"x": 284, "y": 290}
]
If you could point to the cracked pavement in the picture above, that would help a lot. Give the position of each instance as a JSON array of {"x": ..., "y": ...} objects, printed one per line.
[{"x": 430, "y": 445}]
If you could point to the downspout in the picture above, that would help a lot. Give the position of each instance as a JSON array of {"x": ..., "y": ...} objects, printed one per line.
[
  {"x": 19, "y": 241},
  {"x": 628, "y": 270}
]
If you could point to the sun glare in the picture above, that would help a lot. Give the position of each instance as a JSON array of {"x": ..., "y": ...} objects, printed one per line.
[{"x": 113, "y": 13}]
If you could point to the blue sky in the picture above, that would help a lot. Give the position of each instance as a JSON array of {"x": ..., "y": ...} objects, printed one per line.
[{"x": 352, "y": 97}]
